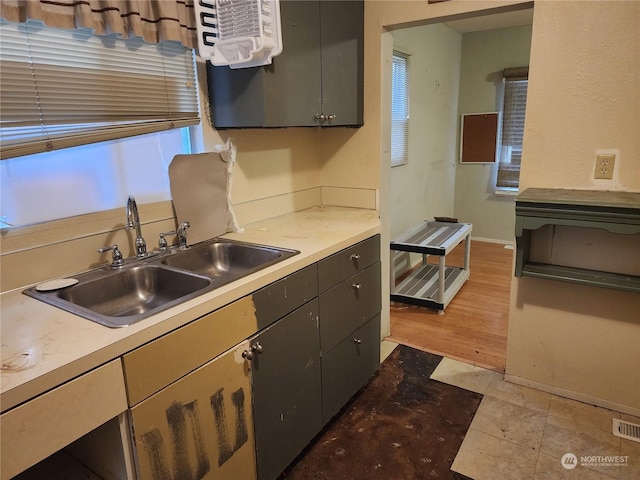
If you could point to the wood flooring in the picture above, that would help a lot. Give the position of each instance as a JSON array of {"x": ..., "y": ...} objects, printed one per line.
[{"x": 473, "y": 327}]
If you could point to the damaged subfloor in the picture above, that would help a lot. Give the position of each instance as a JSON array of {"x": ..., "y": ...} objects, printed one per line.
[
  {"x": 428, "y": 417},
  {"x": 400, "y": 426}
]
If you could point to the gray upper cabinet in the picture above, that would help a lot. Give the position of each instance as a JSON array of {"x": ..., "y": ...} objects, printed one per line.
[
  {"x": 342, "y": 39},
  {"x": 316, "y": 81}
]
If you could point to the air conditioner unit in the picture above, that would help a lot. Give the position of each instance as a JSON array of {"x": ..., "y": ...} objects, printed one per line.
[{"x": 238, "y": 33}]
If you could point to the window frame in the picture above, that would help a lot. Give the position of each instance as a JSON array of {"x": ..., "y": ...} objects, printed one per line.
[
  {"x": 400, "y": 158},
  {"x": 505, "y": 167}
]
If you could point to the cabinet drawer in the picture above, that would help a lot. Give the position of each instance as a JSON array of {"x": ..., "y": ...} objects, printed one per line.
[
  {"x": 185, "y": 349},
  {"x": 348, "y": 305},
  {"x": 340, "y": 266},
  {"x": 36, "y": 429},
  {"x": 163, "y": 361},
  {"x": 346, "y": 368},
  {"x": 283, "y": 296}
]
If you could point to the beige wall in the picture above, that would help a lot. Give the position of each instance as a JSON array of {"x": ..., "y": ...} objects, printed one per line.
[
  {"x": 484, "y": 55},
  {"x": 584, "y": 95},
  {"x": 423, "y": 188},
  {"x": 276, "y": 170}
]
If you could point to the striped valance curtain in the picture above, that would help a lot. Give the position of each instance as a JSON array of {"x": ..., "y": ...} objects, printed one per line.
[{"x": 154, "y": 21}]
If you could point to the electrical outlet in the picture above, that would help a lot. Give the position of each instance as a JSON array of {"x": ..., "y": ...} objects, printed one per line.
[{"x": 604, "y": 166}]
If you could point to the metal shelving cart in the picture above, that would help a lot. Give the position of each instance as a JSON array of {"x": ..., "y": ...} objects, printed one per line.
[{"x": 431, "y": 285}]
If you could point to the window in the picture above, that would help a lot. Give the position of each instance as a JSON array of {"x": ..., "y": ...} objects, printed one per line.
[
  {"x": 88, "y": 120},
  {"x": 63, "y": 88},
  {"x": 399, "y": 109},
  {"x": 513, "y": 114},
  {"x": 88, "y": 178}
]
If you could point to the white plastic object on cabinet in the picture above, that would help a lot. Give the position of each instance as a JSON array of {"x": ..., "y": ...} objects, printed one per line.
[{"x": 238, "y": 33}]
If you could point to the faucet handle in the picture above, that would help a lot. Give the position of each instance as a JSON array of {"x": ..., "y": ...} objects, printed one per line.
[
  {"x": 163, "y": 246},
  {"x": 117, "y": 260}
]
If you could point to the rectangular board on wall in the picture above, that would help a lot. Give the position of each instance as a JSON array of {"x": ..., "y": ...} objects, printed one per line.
[{"x": 479, "y": 137}]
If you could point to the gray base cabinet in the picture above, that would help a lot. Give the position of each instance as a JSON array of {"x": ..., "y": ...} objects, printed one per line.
[
  {"x": 286, "y": 381},
  {"x": 350, "y": 304},
  {"x": 316, "y": 81},
  {"x": 240, "y": 392}
]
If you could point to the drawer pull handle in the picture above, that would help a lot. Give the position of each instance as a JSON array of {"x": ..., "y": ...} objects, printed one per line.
[
  {"x": 355, "y": 257},
  {"x": 248, "y": 355},
  {"x": 357, "y": 340},
  {"x": 356, "y": 286},
  {"x": 257, "y": 348}
]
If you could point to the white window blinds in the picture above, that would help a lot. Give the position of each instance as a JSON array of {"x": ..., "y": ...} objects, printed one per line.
[
  {"x": 513, "y": 114},
  {"x": 63, "y": 88},
  {"x": 399, "y": 108}
]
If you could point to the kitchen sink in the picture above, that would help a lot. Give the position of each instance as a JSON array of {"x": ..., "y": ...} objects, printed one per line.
[
  {"x": 118, "y": 297},
  {"x": 227, "y": 259}
]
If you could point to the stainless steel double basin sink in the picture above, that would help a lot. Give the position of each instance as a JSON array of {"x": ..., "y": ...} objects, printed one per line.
[{"x": 117, "y": 297}]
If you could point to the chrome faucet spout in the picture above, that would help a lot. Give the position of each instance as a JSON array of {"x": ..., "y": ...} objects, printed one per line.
[
  {"x": 133, "y": 223},
  {"x": 182, "y": 235}
]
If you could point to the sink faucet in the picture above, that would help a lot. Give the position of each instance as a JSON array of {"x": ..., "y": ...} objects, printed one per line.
[
  {"x": 133, "y": 222},
  {"x": 182, "y": 235}
]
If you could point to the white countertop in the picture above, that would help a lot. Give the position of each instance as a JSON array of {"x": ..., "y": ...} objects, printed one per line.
[{"x": 43, "y": 346}]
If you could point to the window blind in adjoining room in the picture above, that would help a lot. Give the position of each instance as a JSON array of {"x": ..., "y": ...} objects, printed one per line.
[
  {"x": 63, "y": 88},
  {"x": 515, "y": 100},
  {"x": 399, "y": 108}
]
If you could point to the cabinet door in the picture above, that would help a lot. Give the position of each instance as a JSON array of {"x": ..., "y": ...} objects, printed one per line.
[
  {"x": 236, "y": 97},
  {"x": 285, "y": 93},
  {"x": 200, "y": 426},
  {"x": 286, "y": 381},
  {"x": 320, "y": 71},
  {"x": 342, "y": 47},
  {"x": 292, "y": 84},
  {"x": 346, "y": 368}
]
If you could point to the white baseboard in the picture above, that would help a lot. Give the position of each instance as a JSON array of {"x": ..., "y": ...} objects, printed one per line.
[
  {"x": 580, "y": 397},
  {"x": 492, "y": 240}
]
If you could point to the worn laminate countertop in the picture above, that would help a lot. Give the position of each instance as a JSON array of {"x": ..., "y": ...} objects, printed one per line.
[{"x": 43, "y": 346}]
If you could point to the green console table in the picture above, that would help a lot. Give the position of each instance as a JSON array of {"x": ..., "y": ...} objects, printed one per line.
[{"x": 615, "y": 212}]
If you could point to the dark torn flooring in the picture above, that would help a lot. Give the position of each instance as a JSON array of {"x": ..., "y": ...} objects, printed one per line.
[{"x": 402, "y": 426}]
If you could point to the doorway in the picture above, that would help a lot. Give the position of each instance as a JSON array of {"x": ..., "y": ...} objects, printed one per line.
[{"x": 456, "y": 68}]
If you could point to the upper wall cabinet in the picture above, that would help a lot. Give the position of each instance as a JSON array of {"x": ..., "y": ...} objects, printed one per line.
[{"x": 316, "y": 81}]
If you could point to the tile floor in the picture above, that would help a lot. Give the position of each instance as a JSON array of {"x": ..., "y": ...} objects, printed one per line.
[{"x": 522, "y": 434}]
